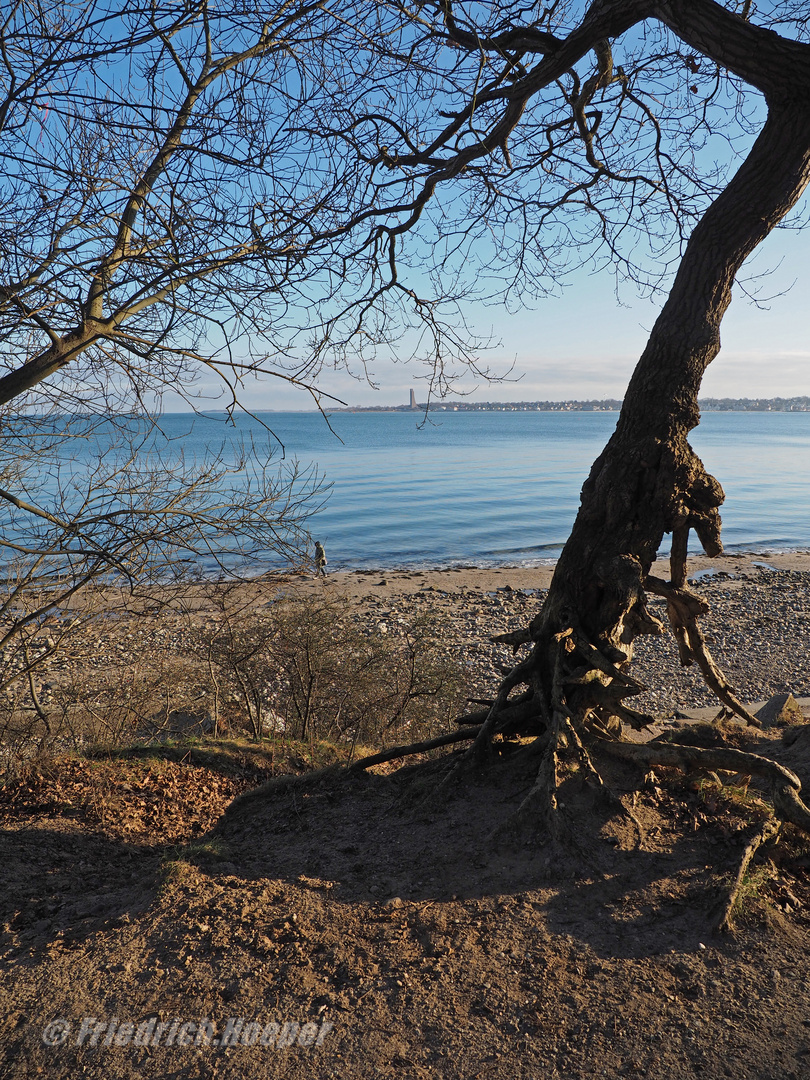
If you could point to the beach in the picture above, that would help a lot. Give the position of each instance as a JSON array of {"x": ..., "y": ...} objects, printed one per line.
[
  {"x": 757, "y": 628},
  {"x": 389, "y": 583},
  {"x": 395, "y": 913},
  {"x": 456, "y": 581}
]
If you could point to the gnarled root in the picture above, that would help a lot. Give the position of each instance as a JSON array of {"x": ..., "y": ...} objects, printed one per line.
[
  {"x": 784, "y": 785},
  {"x": 579, "y": 671},
  {"x": 761, "y": 835},
  {"x": 539, "y": 808},
  {"x": 517, "y": 715},
  {"x": 520, "y": 673},
  {"x": 540, "y": 811},
  {"x": 571, "y": 686},
  {"x": 683, "y": 608}
]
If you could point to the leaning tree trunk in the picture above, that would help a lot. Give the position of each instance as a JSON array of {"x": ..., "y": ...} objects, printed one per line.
[
  {"x": 568, "y": 693},
  {"x": 648, "y": 481}
]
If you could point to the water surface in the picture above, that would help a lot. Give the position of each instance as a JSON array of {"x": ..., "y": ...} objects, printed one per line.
[{"x": 503, "y": 487}]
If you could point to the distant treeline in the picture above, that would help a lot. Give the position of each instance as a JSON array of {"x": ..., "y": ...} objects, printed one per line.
[
  {"x": 794, "y": 404},
  {"x": 777, "y": 404}
]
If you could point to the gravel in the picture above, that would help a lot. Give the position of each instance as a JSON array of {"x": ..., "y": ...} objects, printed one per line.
[{"x": 756, "y": 630}]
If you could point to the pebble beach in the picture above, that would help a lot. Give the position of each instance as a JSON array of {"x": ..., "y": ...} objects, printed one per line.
[{"x": 758, "y": 628}]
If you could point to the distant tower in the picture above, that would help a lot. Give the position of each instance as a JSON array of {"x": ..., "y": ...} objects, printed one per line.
[{"x": 413, "y": 400}]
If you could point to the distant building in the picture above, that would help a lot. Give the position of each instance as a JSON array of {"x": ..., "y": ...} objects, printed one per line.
[{"x": 413, "y": 400}]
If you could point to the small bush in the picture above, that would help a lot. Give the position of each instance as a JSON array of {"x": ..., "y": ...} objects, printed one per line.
[{"x": 309, "y": 670}]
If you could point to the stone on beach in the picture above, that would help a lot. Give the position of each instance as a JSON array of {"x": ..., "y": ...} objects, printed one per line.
[{"x": 781, "y": 710}]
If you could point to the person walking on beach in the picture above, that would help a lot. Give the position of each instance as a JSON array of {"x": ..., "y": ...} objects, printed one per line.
[{"x": 320, "y": 560}]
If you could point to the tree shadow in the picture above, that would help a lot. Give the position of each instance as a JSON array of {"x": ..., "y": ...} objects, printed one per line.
[
  {"x": 374, "y": 840},
  {"x": 62, "y": 884}
]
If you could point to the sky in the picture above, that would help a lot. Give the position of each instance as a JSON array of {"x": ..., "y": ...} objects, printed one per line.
[{"x": 585, "y": 344}]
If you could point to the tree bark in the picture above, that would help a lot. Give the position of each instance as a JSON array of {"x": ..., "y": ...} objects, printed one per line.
[{"x": 648, "y": 481}]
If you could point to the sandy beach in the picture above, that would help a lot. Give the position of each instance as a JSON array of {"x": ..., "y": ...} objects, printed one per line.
[{"x": 358, "y": 584}]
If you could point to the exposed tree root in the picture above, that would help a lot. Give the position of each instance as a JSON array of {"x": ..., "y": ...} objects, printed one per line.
[
  {"x": 605, "y": 794},
  {"x": 683, "y": 608},
  {"x": 515, "y": 717},
  {"x": 569, "y": 692},
  {"x": 763, "y": 833},
  {"x": 514, "y": 638},
  {"x": 539, "y": 809},
  {"x": 520, "y": 674},
  {"x": 413, "y": 748},
  {"x": 784, "y": 785}
]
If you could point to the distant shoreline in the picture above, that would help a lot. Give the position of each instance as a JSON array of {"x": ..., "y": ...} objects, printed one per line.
[{"x": 794, "y": 404}]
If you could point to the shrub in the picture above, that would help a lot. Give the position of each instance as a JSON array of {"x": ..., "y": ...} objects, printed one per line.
[{"x": 309, "y": 669}]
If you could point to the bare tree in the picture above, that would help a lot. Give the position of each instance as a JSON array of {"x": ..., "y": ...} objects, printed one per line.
[
  {"x": 155, "y": 208},
  {"x": 252, "y": 191},
  {"x": 170, "y": 225},
  {"x": 654, "y": 135},
  {"x": 169, "y": 212}
]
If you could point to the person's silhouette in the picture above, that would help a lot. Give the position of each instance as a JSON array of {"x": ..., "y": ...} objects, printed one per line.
[{"x": 320, "y": 559}]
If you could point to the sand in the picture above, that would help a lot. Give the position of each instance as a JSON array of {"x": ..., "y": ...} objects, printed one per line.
[{"x": 356, "y": 584}]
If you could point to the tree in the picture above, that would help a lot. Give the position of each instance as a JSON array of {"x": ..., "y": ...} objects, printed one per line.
[
  {"x": 156, "y": 206},
  {"x": 596, "y": 126},
  {"x": 170, "y": 229},
  {"x": 161, "y": 217},
  {"x": 252, "y": 191},
  {"x": 166, "y": 206}
]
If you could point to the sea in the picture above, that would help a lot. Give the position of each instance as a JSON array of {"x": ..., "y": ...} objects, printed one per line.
[{"x": 502, "y": 488}]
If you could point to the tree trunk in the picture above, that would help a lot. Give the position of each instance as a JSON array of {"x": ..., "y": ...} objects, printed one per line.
[
  {"x": 648, "y": 481},
  {"x": 568, "y": 693}
]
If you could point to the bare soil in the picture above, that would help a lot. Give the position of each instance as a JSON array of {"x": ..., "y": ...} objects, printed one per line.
[{"x": 415, "y": 937}]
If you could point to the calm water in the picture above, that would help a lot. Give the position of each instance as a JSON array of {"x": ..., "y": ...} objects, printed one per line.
[{"x": 493, "y": 488}]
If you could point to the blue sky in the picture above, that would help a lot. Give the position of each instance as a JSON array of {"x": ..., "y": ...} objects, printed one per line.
[{"x": 585, "y": 343}]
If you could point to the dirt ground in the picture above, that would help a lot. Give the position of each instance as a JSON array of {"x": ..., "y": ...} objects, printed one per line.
[{"x": 379, "y": 926}]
